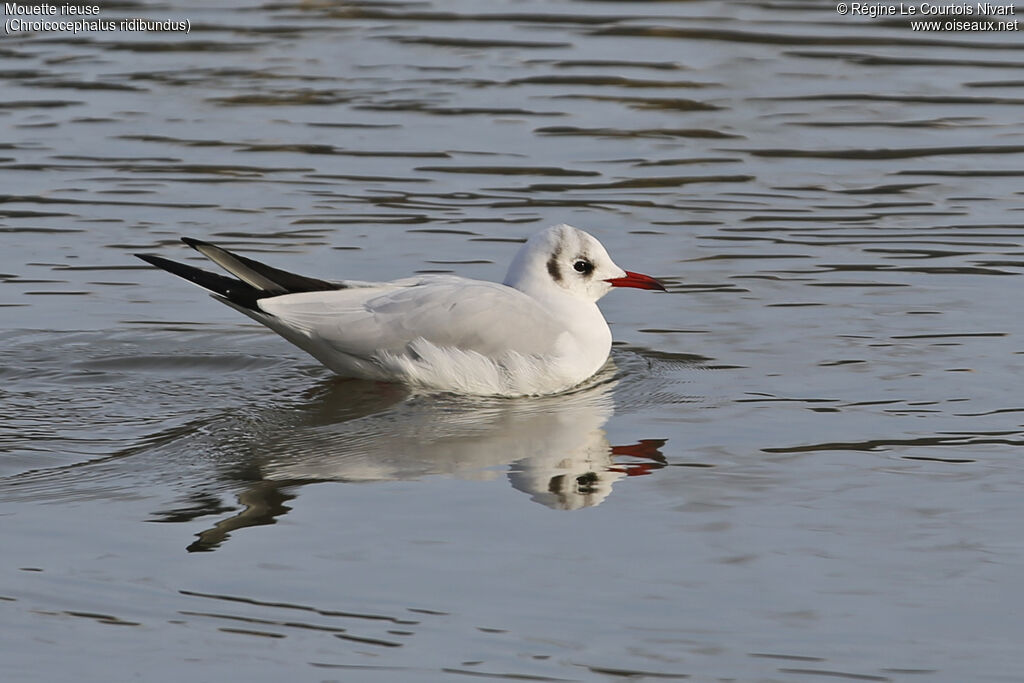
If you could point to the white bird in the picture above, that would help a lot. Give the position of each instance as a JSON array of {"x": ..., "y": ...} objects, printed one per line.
[{"x": 539, "y": 332}]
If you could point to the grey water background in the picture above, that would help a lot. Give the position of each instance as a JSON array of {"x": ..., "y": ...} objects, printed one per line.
[{"x": 801, "y": 465}]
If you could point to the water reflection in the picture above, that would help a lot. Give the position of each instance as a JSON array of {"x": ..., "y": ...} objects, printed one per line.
[{"x": 554, "y": 449}]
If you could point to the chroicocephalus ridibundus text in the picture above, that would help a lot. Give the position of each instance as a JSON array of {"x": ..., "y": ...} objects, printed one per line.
[{"x": 539, "y": 332}]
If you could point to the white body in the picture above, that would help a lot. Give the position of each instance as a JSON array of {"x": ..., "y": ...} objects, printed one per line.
[{"x": 446, "y": 333}]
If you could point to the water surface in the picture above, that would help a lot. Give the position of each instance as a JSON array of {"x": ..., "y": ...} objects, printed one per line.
[{"x": 800, "y": 463}]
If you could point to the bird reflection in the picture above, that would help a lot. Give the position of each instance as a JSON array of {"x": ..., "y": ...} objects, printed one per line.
[
  {"x": 574, "y": 483},
  {"x": 553, "y": 449}
]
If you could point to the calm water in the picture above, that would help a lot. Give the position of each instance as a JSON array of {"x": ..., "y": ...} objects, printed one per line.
[{"x": 802, "y": 463}]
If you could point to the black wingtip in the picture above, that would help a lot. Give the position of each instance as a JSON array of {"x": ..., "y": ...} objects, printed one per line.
[
  {"x": 194, "y": 243},
  {"x": 151, "y": 259},
  {"x": 271, "y": 280},
  {"x": 233, "y": 290}
]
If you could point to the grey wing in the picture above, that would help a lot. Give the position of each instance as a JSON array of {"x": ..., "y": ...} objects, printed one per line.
[{"x": 470, "y": 315}]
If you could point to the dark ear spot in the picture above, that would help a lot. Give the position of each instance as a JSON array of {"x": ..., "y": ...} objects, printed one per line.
[{"x": 553, "y": 270}]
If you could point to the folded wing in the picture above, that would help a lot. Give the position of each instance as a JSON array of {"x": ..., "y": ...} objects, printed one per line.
[{"x": 448, "y": 312}]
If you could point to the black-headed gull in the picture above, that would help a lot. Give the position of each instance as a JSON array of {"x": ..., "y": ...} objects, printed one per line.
[{"x": 539, "y": 332}]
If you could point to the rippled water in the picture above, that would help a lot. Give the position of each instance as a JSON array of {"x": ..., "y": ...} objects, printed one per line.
[{"x": 801, "y": 463}]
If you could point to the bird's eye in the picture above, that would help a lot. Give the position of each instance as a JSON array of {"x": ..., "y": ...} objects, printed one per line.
[{"x": 583, "y": 266}]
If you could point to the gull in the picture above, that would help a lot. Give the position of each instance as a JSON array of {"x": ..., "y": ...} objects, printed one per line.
[{"x": 538, "y": 332}]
